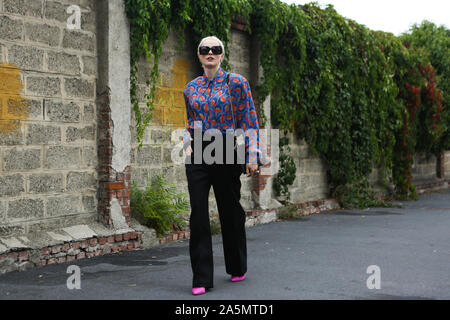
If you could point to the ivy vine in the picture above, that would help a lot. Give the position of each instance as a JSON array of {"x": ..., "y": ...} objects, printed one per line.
[
  {"x": 286, "y": 173},
  {"x": 339, "y": 85},
  {"x": 150, "y": 23},
  {"x": 358, "y": 97},
  {"x": 214, "y": 18}
]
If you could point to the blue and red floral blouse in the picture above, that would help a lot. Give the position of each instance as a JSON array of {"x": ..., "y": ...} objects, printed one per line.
[{"x": 207, "y": 105}]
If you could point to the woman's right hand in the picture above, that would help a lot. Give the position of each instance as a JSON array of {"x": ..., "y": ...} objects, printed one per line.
[{"x": 189, "y": 149}]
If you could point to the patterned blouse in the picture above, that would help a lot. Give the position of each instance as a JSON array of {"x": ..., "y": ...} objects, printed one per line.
[{"x": 207, "y": 107}]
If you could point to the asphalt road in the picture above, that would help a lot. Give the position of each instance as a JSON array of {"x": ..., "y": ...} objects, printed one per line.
[{"x": 322, "y": 256}]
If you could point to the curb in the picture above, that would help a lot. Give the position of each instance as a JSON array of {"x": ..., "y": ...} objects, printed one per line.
[
  {"x": 16, "y": 255},
  {"x": 80, "y": 242}
]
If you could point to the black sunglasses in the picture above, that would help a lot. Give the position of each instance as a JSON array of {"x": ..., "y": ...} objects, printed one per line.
[{"x": 204, "y": 50}]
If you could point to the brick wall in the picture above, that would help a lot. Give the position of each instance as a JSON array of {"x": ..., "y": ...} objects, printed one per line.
[
  {"x": 68, "y": 250},
  {"x": 48, "y": 152}
]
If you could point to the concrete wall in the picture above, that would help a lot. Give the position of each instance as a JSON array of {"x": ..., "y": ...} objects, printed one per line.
[
  {"x": 424, "y": 168},
  {"x": 311, "y": 180},
  {"x": 176, "y": 67},
  {"x": 447, "y": 165},
  {"x": 48, "y": 130}
]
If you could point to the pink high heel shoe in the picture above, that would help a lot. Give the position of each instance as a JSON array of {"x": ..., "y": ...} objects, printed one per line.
[
  {"x": 199, "y": 290},
  {"x": 236, "y": 278}
]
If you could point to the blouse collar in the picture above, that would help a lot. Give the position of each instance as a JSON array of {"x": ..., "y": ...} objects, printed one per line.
[{"x": 220, "y": 76}]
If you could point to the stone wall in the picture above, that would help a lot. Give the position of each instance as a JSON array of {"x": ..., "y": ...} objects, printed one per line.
[
  {"x": 446, "y": 164},
  {"x": 176, "y": 67},
  {"x": 311, "y": 180},
  {"x": 424, "y": 168},
  {"x": 48, "y": 130},
  {"x": 311, "y": 177}
]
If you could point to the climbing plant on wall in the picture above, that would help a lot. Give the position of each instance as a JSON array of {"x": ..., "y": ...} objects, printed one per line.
[
  {"x": 435, "y": 42},
  {"x": 359, "y": 98},
  {"x": 286, "y": 174},
  {"x": 422, "y": 127},
  {"x": 214, "y": 18},
  {"x": 339, "y": 86},
  {"x": 328, "y": 83},
  {"x": 150, "y": 23}
]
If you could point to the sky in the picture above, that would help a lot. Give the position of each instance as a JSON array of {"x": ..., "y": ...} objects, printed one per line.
[{"x": 395, "y": 16}]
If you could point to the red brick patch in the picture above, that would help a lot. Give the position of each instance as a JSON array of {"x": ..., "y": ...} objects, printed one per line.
[
  {"x": 61, "y": 259},
  {"x": 23, "y": 255},
  {"x": 75, "y": 245},
  {"x": 115, "y": 185},
  {"x": 84, "y": 244},
  {"x": 81, "y": 255},
  {"x": 86, "y": 248},
  {"x": 13, "y": 256}
]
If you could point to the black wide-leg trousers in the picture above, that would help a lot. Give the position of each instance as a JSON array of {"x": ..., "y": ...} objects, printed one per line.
[{"x": 226, "y": 183}]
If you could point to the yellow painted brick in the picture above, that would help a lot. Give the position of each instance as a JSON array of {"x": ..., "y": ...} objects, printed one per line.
[
  {"x": 175, "y": 117},
  {"x": 11, "y": 87},
  {"x": 158, "y": 115},
  {"x": 180, "y": 73}
]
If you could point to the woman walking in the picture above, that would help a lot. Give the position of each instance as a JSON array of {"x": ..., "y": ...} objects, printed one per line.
[{"x": 222, "y": 101}]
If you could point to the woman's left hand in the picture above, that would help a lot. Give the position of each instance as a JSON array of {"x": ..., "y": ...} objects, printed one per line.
[{"x": 252, "y": 168}]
